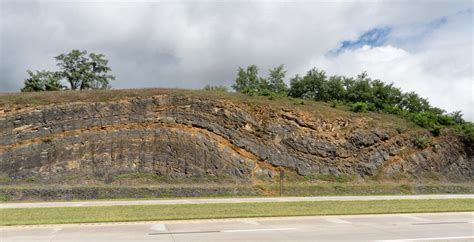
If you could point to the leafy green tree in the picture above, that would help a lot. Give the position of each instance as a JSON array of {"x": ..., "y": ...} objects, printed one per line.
[
  {"x": 297, "y": 87},
  {"x": 413, "y": 103},
  {"x": 457, "y": 117},
  {"x": 42, "y": 81},
  {"x": 264, "y": 88},
  {"x": 312, "y": 86},
  {"x": 84, "y": 71},
  {"x": 393, "y": 95},
  {"x": 247, "y": 80},
  {"x": 362, "y": 94},
  {"x": 317, "y": 86},
  {"x": 336, "y": 89},
  {"x": 276, "y": 81},
  {"x": 361, "y": 90}
]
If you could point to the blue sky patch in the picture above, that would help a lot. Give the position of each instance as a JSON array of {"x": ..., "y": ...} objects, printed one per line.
[
  {"x": 437, "y": 23},
  {"x": 374, "y": 37}
]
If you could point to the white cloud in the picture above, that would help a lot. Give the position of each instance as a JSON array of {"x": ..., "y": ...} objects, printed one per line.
[
  {"x": 411, "y": 72},
  {"x": 190, "y": 44},
  {"x": 436, "y": 64}
]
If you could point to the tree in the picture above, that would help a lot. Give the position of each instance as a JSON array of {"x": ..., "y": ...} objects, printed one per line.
[
  {"x": 361, "y": 89},
  {"x": 457, "y": 117},
  {"x": 42, "y": 81},
  {"x": 276, "y": 82},
  {"x": 84, "y": 71},
  {"x": 414, "y": 103},
  {"x": 297, "y": 87},
  {"x": 248, "y": 81},
  {"x": 313, "y": 85},
  {"x": 362, "y": 94},
  {"x": 336, "y": 89}
]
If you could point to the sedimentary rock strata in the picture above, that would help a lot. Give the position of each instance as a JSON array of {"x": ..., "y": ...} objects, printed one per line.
[{"x": 180, "y": 136}]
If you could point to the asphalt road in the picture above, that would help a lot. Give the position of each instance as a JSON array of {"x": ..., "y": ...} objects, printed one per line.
[
  {"x": 401, "y": 227},
  {"x": 230, "y": 200}
]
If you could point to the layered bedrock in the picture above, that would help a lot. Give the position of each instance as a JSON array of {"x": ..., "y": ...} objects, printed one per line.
[{"x": 180, "y": 136}]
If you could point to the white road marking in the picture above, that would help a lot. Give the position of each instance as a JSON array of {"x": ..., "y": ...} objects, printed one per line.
[
  {"x": 255, "y": 230},
  {"x": 55, "y": 231},
  {"x": 416, "y": 218},
  {"x": 251, "y": 222},
  {"x": 428, "y": 239},
  {"x": 159, "y": 227},
  {"x": 337, "y": 221}
]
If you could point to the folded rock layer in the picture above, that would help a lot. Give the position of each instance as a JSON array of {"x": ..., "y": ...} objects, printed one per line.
[{"x": 182, "y": 136}]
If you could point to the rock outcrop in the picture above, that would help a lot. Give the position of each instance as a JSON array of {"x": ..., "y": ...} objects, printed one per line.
[{"x": 181, "y": 136}]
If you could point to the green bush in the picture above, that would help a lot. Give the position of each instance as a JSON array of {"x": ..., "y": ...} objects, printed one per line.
[
  {"x": 215, "y": 88},
  {"x": 446, "y": 120},
  {"x": 359, "y": 107},
  {"x": 436, "y": 130},
  {"x": 298, "y": 102},
  {"x": 422, "y": 142},
  {"x": 466, "y": 130},
  {"x": 364, "y": 93},
  {"x": 392, "y": 109},
  {"x": 429, "y": 121},
  {"x": 424, "y": 119}
]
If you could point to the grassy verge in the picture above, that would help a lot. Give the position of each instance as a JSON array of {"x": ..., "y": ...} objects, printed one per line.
[
  {"x": 35, "y": 192},
  {"x": 23, "y": 216}
]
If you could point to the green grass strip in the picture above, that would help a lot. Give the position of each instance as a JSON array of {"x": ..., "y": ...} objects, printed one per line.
[{"x": 22, "y": 216}]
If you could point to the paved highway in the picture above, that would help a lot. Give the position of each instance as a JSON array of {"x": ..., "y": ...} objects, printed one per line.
[
  {"x": 400, "y": 227},
  {"x": 230, "y": 200}
]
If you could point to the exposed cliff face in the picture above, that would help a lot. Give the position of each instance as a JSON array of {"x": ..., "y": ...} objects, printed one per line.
[{"x": 177, "y": 136}]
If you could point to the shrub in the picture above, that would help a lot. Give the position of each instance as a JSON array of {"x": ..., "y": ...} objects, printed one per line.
[
  {"x": 424, "y": 119},
  {"x": 372, "y": 107},
  {"x": 466, "y": 130},
  {"x": 298, "y": 102},
  {"x": 265, "y": 92},
  {"x": 436, "y": 130},
  {"x": 215, "y": 88},
  {"x": 364, "y": 93},
  {"x": 359, "y": 107},
  {"x": 422, "y": 142},
  {"x": 392, "y": 109},
  {"x": 446, "y": 120}
]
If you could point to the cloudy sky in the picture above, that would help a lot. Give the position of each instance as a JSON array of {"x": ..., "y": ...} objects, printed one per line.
[{"x": 421, "y": 46}]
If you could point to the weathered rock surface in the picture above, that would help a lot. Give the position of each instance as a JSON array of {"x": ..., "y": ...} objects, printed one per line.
[{"x": 179, "y": 136}]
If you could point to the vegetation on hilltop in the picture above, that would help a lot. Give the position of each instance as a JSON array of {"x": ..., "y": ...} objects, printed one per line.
[
  {"x": 361, "y": 93},
  {"x": 79, "y": 70}
]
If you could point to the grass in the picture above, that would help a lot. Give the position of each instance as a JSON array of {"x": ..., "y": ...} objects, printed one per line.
[
  {"x": 56, "y": 192},
  {"x": 23, "y": 216},
  {"x": 20, "y": 101}
]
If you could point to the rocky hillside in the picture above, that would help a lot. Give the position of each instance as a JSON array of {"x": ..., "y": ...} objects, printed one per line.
[{"x": 176, "y": 133}]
